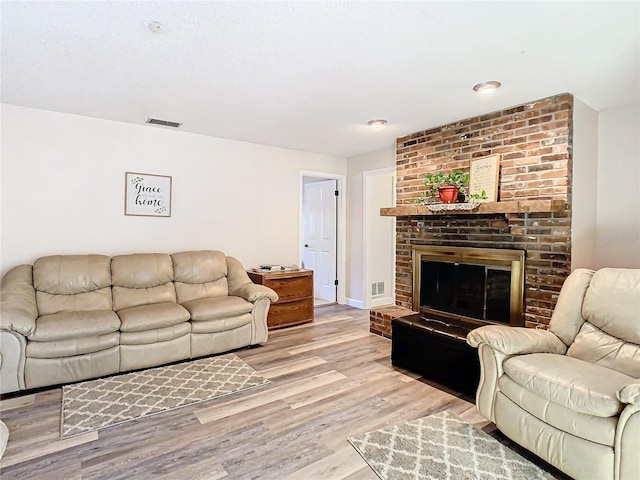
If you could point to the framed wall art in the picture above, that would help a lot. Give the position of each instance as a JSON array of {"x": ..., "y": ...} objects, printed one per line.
[
  {"x": 483, "y": 177},
  {"x": 147, "y": 195}
]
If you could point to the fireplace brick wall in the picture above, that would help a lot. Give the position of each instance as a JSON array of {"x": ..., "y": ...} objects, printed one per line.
[{"x": 535, "y": 143}]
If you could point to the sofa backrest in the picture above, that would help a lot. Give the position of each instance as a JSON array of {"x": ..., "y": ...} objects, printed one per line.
[
  {"x": 610, "y": 334},
  {"x": 200, "y": 274},
  {"x": 72, "y": 283},
  {"x": 142, "y": 279}
]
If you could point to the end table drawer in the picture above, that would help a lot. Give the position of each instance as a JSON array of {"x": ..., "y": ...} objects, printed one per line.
[
  {"x": 289, "y": 288},
  {"x": 291, "y": 313}
]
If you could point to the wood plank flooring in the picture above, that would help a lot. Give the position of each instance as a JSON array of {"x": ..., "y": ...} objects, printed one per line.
[{"x": 329, "y": 380}]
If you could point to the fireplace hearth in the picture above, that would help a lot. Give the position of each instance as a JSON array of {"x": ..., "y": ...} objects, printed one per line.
[{"x": 455, "y": 290}]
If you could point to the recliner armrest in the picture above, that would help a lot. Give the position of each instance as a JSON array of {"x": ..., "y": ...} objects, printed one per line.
[
  {"x": 516, "y": 340},
  {"x": 630, "y": 393},
  {"x": 18, "y": 310}
]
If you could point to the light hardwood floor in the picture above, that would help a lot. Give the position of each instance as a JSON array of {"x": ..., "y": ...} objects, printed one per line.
[{"x": 329, "y": 380}]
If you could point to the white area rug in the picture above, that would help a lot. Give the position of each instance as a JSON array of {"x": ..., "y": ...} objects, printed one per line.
[
  {"x": 442, "y": 447},
  {"x": 104, "y": 402}
]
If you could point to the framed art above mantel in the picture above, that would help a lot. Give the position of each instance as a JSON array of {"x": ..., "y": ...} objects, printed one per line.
[
  {"x": 483, "y": 177},
  {"x": 147, "y": 195}
]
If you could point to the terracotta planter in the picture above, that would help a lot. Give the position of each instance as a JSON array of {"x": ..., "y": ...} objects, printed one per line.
[{"x": 448, "y": 194}]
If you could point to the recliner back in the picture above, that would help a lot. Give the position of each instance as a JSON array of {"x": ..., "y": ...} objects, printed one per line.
[
  {"x": 610, "y": 334},
  {"x": 142, "y": 279},
  {"x": 200, "y": 275},
  {"x": 65, "y": 283},
  {"x": 612, "y": 303}
]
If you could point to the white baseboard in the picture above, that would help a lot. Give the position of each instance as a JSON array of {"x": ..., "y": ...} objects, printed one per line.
[
  {"x": 378, "y": 302},
  {"x": 382, "y": 301},
  {"x": 355, "y": 303}
]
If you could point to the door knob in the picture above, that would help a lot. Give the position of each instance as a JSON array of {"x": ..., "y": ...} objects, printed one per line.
[{"x": 306, "y": 245}]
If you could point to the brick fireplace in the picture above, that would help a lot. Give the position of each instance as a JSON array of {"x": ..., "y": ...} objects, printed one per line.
[{"x": 535, "y": 143}]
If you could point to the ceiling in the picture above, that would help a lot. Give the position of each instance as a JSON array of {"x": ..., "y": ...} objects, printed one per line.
[{"x": 309, "y": 75}]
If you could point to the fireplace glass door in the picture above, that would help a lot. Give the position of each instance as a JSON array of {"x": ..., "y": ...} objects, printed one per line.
[
  {"x": 473, "y": 284},
  {"x": 477, "y": 291}
]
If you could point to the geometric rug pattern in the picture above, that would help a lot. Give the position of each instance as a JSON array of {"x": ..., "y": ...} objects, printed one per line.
[
  {"x": 442, "y": 447},
  {"x": 104, "y": 402}
]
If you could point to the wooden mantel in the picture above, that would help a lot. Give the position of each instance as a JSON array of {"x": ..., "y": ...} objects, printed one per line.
[{"x": 515, "y": 206}]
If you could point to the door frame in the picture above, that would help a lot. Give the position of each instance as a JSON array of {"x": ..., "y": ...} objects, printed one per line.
[
  {"x": 367, "y": 299},
  {"x": 341, "y": 227}
]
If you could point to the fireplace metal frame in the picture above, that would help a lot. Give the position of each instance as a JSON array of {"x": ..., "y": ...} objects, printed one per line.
[{"x": 495, "y": 257}]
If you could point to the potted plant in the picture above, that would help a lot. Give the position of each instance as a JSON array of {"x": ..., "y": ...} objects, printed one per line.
[{"x": 446, "y": 187}]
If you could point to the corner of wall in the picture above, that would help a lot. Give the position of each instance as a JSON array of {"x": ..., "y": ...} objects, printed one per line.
[{"x": 584, "y": 191}]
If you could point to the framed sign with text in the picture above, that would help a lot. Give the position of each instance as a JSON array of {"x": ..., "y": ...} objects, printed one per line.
[
  {"x": 147, "y": 195},
  {"x": 483, "y": 177}
]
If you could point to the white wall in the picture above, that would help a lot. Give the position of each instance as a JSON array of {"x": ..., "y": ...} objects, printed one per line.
[
  {"x": 62, "y": 179},
  {"x": 356, "y": 166},
  {"x": 618, "y": 193},
  {"x": 379, "y": 237},
  {"x": 584, "y": 186}
]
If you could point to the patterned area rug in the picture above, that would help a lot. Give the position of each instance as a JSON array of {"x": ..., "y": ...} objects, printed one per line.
[
  {"x": 442, "y": 447},
  {"x": 101, "y": 403}
]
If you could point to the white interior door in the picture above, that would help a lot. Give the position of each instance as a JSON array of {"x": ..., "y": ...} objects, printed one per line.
[{"x": 319, "y": 236}]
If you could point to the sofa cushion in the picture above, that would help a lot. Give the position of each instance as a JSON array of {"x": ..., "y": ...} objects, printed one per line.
[
  {"x": 72, "y": 346},
  {"x": 142, "y": 279},
  {"x": 569, "y": 382},
  {"x": 595, "y": 346},
  {"x": 72, "y": 325},
  {"x": 150, "y": 317},
  {"x": 200, "y": 274},
  {"x": 155, "y": 336},
  {"x": 65, "y": 283},
  {"x": 612, "y": 303},
  {"x": 221, "y": 324},
  {"x": 217, "y": 308}
]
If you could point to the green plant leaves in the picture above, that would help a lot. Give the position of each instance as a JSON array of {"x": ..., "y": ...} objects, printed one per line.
[{"x": 435, "y": 180}]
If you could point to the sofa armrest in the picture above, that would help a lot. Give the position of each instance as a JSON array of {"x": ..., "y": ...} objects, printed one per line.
[
  {"x": 630, "y": 393},
  {"x": 516, "y": 340},
  {"x": 18, "y": 309},
  {"x": 240, "y": 285},
  {"x": 252, "y": 292}
]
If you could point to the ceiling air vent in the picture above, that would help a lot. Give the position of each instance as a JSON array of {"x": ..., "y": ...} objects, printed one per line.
[{"x": 164, "y": 123}]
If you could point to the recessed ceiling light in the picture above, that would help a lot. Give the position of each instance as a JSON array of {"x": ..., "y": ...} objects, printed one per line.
[
  {"x": 377, "y": 123},
  {"x": 487, "y": 88}
]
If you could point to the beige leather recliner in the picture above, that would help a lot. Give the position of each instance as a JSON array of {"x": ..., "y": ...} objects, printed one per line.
[
  {"x": 571, "y": 394},
  {"x": 75, "y": 317}
]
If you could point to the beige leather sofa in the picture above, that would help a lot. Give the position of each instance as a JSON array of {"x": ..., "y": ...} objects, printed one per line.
[
  {"x": 571, "y": 394},
  {"x": 74, "y": 317}
]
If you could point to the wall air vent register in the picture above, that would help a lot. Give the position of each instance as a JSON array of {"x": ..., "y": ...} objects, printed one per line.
[{"x": 164, "y": 123}]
